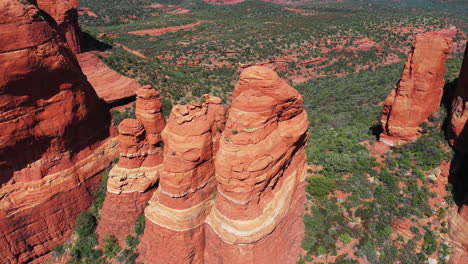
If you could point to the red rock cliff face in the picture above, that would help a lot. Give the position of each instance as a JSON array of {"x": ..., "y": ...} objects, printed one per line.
[
  {"x": 419, "y": 92},
  {"x": 130, "y": 182},
  {"x": 175, "y": 216},
  {"x": 65, "y": 15},
  {"x": 258, "y": 165},
  {"x": 260, "y": 169},
  {"x": 53, "y": 140},
  {"x": 457, "y": 131}
]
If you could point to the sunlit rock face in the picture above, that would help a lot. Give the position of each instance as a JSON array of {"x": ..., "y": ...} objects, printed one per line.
[
  {"x": 132, "y": 180},
  {"x": 232, "y": 191},
  {"x": 176, "y": 213},
  {"x": 54, "y": 140},
  {"x": 260, "y": 169},
  {"x": 419, "y": 92}
]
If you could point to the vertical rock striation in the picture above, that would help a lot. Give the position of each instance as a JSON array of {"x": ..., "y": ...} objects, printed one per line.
[
  {"x": 130, "y": 182},
  {"x": 53, "y": 143},
  {"x": 419, "y": 92},
  {"x": 175, "y": 216},
  {"x": 260, "y": 168},
  {"x": 64, "y": 15}
]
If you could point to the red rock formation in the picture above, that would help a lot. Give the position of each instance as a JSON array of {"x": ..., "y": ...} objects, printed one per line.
[
  {"x": 457, "y": 131},
  {"x": 53, "y": 142},
  {"x": 419, "y": 92},
  {"x": 65, "y": 15},
  {"x": 130, "y": 182},
  {"x": 109, "y": 84},
  {"x": 260, "y": 169},
  {"x": 178, "y": 209}
]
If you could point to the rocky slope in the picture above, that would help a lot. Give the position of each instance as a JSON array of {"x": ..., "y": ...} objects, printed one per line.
[
  {"x": 419, "y": 92},
  {"x": 64, "y": 15},
  {"x": 53, "y": 143},
  {"x": 109, "y": 84},
  {"x": 130, "y": 182},
  {"x": 258, "y": 164}
]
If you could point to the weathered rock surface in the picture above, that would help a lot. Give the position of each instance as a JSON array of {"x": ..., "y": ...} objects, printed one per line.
[
  {"x": 65, "y": 16},
  {"x": 178, "y": 209},
  {"x": 260, "y": 169},
  {"x": 131, "y": 181},
  {"x": 53, "y": 143},
  {"x": 109, "y": 84},
  {"x": 258, "y": 165},
  {"x": 457, "y": 130},
  {"x": 419, "y": 92}
]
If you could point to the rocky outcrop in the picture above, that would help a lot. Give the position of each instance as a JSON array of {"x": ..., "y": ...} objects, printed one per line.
[
  {"x": 131, "y": 181},
  {"x": 419, "y": 92},
  {"x": 109, "y": 84},
  {"x": 177, "y": 211},
  {"x": 260, "y": 169},
  {"x": 64, "y": 15},
  {"x": 258, "y": 165},
  {"x": 53, "y": 144},
  {"x": 457, "y": 130}
]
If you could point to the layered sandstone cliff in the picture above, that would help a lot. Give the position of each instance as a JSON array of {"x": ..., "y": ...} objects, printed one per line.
[
  {"x": 419, "y": 92},
  {"x": 109, "y": 84},
  {"x": 131, "y": 181},
  {"x": 235, "y": 197},
  {"x": 64, "y": 15},
  {"x": 260, "y": 169},
  {"x": 457, "y": 130},
  {"x": 178, "y": 209},
  {"x": 53, "y": 143}
]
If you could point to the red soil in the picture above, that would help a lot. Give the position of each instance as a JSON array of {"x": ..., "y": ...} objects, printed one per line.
[{"x": 161, "y": 31}]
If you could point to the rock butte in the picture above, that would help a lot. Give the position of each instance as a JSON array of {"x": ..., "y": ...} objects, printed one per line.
[
  {"x": 109, "y": 84},
  {"x": 131, "y": 181},
  {"x": 65, "y": 15},
  {"x": 419, "y": 92},
  {"x": 258, "y": 164},
  {"x": 53, "y": 144}
]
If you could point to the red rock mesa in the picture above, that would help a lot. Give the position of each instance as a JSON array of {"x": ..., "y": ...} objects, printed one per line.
[
  {"x": 65, "y": 15},
  {"x": 419, "y": 92},
  {"x": 177, "y": 211},
  {"x": 457, "y": 131},
  {"x": 259, "y": 170},
  {"x": 53, "y": 143},
  {"x": 130, "y": 182}
]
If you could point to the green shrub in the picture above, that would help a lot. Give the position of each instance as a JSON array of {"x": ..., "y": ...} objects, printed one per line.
[
  {"x": 111, "y": 246},
  {"x": 140, "y": 225},
  {"x": 85, "y": 224},
  {"x": 320, "y": 186},
  {"x": 132, "y": 241}
]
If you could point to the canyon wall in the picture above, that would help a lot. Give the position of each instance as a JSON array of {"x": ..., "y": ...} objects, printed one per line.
[
  {"x": 419, "y": 92},
  {"x": 232, "y": 192},
  {"x": 131, "y": 181},
  {"x": 54, "y": 141},
  {"x": 64, "y": 15}
]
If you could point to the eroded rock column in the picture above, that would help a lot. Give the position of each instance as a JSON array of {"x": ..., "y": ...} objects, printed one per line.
[
  {"x": 419, "y": 92},
  {"x": 260, "y": 169},
  {"x": 175, "y": 231},
  {"x": 131, "y": 181}
]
